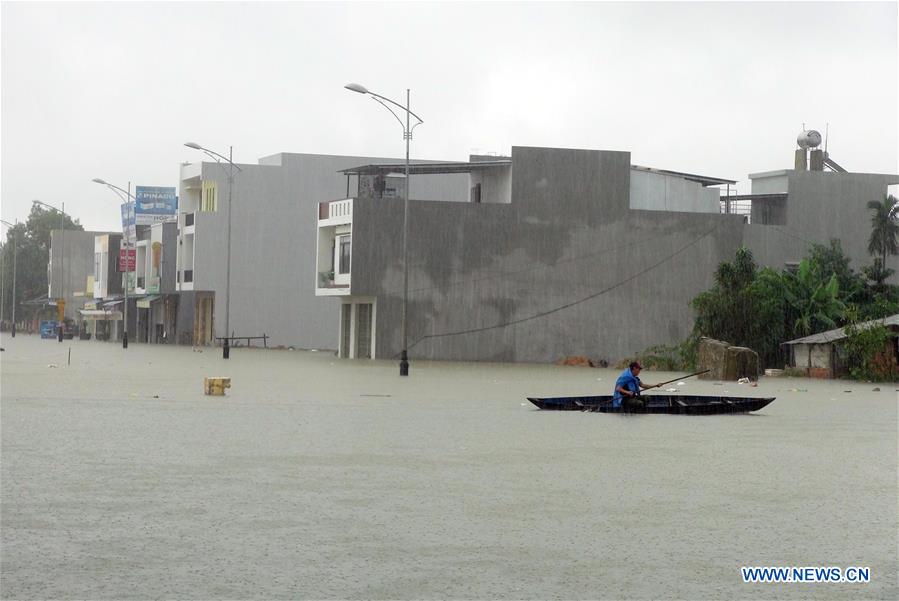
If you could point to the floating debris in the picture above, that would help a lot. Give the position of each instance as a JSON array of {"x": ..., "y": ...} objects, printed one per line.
[
  {"x": 875, "y": 389},
  {"x": 671, "y": 390}
]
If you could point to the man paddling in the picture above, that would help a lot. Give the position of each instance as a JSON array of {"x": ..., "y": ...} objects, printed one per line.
[{"x": 628, "y": 387}]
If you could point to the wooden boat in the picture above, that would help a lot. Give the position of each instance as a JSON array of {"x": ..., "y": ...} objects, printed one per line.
[{"x": 657, "y": 403}]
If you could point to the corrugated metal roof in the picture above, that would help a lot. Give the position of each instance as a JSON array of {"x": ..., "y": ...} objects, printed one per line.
[
  {"x": 839, "y": 333},
  {"x": 426, "y": 168}
]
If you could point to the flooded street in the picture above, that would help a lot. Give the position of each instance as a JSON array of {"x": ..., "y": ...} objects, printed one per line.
[{"x": 323, "y": 478}]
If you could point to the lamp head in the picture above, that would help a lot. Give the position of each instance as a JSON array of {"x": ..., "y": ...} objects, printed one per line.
[
  {"x": 97, "y": 180},
  {"x": 193, "y": 145},
  {"x": 355, "y": 87}
]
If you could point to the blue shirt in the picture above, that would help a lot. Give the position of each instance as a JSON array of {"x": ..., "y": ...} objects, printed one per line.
[{"x": 628, "y": 381}]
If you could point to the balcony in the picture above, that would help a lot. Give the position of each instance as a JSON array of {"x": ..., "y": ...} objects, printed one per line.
[{"x": 335, "y": 212}]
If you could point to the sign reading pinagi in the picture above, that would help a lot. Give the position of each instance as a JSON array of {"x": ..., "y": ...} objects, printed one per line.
[{"x": 154, "y": 204}]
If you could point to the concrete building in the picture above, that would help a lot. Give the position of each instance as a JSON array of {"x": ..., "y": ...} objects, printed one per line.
[
  {"x": 562, "y": 252},
  {"x": 273, "y": 245},
  {"x": 156, "y": 298},
  {"x": 70, "y": 269}
]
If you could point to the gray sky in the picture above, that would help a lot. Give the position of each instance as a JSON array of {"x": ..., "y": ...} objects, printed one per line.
[{"x": 112, "y": 90}]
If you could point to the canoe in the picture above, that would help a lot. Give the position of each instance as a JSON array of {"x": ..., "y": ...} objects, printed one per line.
[{"x": 657, "y": 403}]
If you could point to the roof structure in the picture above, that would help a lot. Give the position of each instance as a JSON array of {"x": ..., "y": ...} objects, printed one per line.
[
  {"x": 840, "y": 333},
  {"x": 468, "y": 167},
  {"x": 702, "y": 179},
  {"x": 427, "y": 168}
]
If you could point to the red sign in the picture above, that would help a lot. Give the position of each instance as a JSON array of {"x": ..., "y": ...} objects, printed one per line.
[{"x": 132, "y": 259}]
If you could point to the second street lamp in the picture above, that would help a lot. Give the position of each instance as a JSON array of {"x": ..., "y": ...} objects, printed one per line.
[
  {"x": 129, "y": 200},
  {"x": 15, "y": 255},
  {"x": 407, "y": 135},
  {"x": 218, "y": 158},
  {"x": 60, "y": 311}
]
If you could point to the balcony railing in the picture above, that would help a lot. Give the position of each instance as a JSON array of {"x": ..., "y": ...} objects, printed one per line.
[{"x": 335, "y": 208}]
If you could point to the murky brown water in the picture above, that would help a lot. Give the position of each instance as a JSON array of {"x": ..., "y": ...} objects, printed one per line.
[{"x": 319, "y": 478}]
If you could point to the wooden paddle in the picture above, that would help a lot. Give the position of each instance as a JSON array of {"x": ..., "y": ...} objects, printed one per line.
[{"x": 681, "y": 378}]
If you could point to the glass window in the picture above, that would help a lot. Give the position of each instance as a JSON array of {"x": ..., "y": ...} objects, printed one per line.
[{"x": 344, "y": 266}]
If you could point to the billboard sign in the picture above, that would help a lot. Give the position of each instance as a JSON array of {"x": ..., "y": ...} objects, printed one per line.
[
  {"x": 154, "y": 204},
  {"x": 132, "y": 259},
  {"x": 48, "y": 328},
  {"x": 128, "y": 229}
]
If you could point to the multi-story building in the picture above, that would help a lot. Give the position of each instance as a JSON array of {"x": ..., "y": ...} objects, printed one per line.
[
  {"x": 562, "y": 252},
  {"x": 273, "y": 245},
  {"x": 70, "y": 265},
  {"x": 156, "y": 301}
]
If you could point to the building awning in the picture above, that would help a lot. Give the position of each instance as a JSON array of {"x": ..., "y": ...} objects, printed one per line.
[
  {"x": 100, "y": 315},
  {"x": 111, "y": 303},
  {"x": 144, "y": 303}
]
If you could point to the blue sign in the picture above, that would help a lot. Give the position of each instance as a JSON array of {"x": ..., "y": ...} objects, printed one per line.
[
  {"x": 48, "y": 328},
  {"x": 128, "y": 229},
  {"x": 154, "y": 204}
]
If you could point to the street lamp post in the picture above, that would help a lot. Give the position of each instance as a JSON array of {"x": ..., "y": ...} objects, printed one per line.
[
  {"x": 407, "y": 135},
  {"x": 129, "y": 200},
  {"x": 15, "y": 254},
  {"x": 226, "y": 344},
  {"x": 62, "y": 267}
]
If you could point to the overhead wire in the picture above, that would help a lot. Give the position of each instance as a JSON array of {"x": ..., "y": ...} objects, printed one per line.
[{"x": 573, "y": 303}]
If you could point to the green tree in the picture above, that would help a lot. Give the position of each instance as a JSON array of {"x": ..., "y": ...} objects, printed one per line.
[
  {"x": 867, "y": 350},
  {"x": 831, "y": 260},
  {"x": 745, "y": 307},
  {"x": 815, "y": 303},
  {"x": 33, "y": 238},
  {"x": 884, "y": 239}
]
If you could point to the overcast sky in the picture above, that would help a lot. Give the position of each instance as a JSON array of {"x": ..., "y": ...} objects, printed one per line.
[{"x": 113, "y": 90}]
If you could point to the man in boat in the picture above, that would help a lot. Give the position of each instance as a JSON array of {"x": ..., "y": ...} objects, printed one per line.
[{"x": 628, "y": 387}]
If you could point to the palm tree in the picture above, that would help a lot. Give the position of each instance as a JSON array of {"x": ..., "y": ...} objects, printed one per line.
[{"x": 884, "y": 228}]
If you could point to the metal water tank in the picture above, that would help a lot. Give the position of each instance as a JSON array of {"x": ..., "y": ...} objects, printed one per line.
[{"x": 809, "y": 138}]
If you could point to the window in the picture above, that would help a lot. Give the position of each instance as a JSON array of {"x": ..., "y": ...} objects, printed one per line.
[
  {"x": 344, "y": 264},
  {"x": 208, "y": 197}
]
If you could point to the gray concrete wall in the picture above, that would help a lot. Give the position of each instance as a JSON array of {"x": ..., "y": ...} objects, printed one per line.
[
  {"x": 821, "y": 205},
  {"x": 578, "y": 271},
  {"x": 496, "y": 184},
  {"x": 274, "y": 229},
  {"x": 567, "y": 268},
  {"x": 660, "y": 192},
  {"x": 77, "y": 249}
]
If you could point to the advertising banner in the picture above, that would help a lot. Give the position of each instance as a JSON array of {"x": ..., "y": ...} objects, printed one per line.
[
  {"x": 48, "y": 328},
  {"x": 154, "y": 204},
  {"x": 132, "y": 259},
  {"x": 128, "y": 229}
]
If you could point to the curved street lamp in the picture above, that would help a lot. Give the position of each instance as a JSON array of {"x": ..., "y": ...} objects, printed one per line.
[
  {"x": 218, "y": 158},
  {"x": 62, "y": 261},
  {"x": 407, "y": 136},
  {"x": 129, "y": 200},
  {"x": 15, "y": 255}
]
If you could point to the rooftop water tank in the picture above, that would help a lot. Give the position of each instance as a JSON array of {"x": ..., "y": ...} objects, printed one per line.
[{"x": 809, "y": 138}]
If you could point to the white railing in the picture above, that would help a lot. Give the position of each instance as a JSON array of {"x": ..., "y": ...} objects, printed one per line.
[{"x": 340, "y": 208}]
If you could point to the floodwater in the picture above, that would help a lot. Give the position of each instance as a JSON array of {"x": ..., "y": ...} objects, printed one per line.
[{"x": 332, "y": 479}]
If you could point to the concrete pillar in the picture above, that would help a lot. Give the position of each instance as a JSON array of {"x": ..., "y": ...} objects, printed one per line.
[
  {"x": 800, "y": 160},
  {"x": 816, "y": 160}
]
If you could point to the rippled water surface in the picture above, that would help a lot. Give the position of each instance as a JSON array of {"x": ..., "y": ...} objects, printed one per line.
[{"x": 319, "y": 478}]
